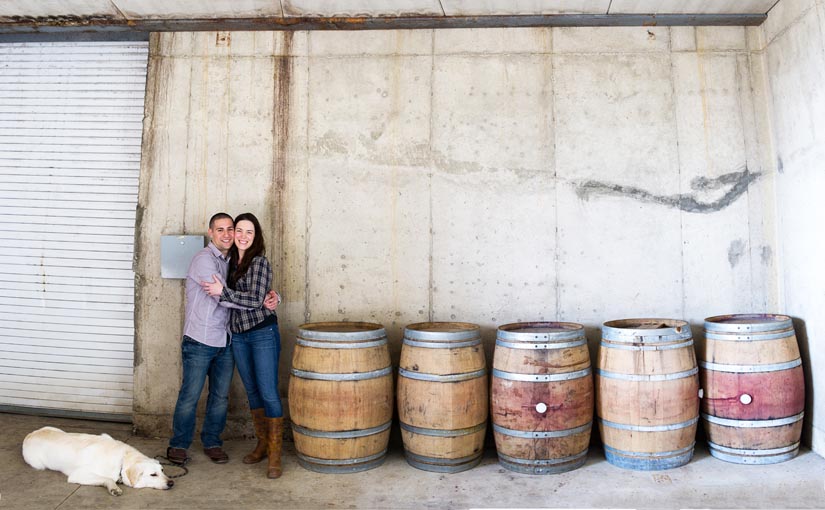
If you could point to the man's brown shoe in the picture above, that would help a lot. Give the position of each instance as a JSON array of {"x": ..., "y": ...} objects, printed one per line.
[
  {"x": 177, "y": 455},
  {"x": 216, "y": 455}
]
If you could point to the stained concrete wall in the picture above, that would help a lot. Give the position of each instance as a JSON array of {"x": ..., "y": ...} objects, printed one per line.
[
  {"x": 488, "y": 176},
  {"x": 795, "y": 56}
]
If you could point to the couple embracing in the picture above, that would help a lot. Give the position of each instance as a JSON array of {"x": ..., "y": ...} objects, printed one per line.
[{"x": 230, "y": 320}]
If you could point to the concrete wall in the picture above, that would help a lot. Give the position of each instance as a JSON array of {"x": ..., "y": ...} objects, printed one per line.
[
  {"x": 488, "y": 176},
  {"x": 795, "y": 56}
]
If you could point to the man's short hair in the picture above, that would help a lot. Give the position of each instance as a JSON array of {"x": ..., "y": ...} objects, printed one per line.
[{"x": 216, "y": 217}]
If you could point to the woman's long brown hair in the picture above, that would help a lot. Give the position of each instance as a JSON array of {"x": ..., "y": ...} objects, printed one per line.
[{"x": 257, "y": 248}]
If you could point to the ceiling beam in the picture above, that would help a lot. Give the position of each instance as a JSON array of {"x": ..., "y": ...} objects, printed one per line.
[{"x": 64, "y": 24}]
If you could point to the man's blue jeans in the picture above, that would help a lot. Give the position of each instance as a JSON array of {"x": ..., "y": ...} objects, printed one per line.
[
  {"x": 200, "y": 362},
  {"x": 257, "y": 353}
]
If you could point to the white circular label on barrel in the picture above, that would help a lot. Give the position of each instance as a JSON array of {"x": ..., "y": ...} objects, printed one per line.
[
  {"x": 745, "y": 399},
  {"x": 701, "y": 392},
  {"x": 541, "y": 407}
]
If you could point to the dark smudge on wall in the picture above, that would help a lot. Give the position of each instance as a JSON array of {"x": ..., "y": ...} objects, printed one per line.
[{"x": 735, "y": 184}]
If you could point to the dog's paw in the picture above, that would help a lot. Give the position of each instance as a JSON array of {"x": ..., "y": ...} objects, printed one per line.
[{"x": 116, "y": 491}]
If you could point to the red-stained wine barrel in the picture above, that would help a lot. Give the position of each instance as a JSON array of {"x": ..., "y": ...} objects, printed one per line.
[
  {"x": 542, "y": 397},
  {"x": 754, "y": 390}
]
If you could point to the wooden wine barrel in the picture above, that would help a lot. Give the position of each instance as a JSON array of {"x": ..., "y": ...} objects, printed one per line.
[
  {"x": 542, "y": 397},
  {"x": 754, "y": 388},
  {"x": 442, "y": 396},
  {"x": 647, "y": 393},
  {"x": 341, "y": 396}
]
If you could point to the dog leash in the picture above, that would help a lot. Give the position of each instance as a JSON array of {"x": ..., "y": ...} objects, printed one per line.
[{"x": 161, "y": 458}]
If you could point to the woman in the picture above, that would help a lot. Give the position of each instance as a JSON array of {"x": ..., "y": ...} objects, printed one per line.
[{"x": 256, "y": 342}]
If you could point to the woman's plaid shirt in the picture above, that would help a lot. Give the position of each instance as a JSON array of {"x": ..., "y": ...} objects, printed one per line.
[{"x": 250, "y": 291}]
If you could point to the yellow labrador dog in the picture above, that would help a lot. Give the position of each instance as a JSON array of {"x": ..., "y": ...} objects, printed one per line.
[{"x": 93, "y": 460}]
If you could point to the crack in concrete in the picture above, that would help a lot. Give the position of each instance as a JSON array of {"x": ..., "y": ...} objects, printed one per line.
[
  {"x": 67, "y": 497},
  {"x": 736, "y": 182}
]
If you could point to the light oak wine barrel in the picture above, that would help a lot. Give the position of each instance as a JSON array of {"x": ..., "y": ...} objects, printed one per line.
[
  {"x": 341, "y": 396},
  {"x": 647, "y": 393},
  {"x": 442, "y": 396}
]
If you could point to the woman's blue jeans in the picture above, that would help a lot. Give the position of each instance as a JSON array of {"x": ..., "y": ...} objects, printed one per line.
[
  {"x": 200, "y": 362},
  {"x": 257, "y": 354}
]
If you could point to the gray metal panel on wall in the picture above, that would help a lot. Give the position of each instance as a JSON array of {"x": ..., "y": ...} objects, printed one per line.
[{"x": 71, "y": 118}]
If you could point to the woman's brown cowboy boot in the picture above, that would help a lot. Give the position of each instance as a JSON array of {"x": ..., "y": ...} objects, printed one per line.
[
  {"x": 275, "y": 441},
  {"x": 259, "y": 422}
]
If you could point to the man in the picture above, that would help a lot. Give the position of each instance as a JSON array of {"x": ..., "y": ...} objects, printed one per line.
[{"x": 205, "y": 349}]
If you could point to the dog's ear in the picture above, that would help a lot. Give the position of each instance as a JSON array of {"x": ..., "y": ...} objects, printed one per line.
[
  {"x": 131, "y": 471},
  {"x": 131, "y": 475}
]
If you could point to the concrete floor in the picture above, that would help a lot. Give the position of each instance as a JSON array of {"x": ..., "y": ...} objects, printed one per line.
[{"x": 704, "y": 483}]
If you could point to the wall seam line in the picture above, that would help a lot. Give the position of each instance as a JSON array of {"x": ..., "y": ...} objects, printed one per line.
[
  {"x": 188, "y": 132},
  {"x": 308, "y": 203},
  {"x": 679, "y": 164},
  {"x": 430, "y": 312},
  {"x": 228, "y": 106},
  {"x": 820, "y": 13},
  {"x": 778, "y": 272},
  {"x": 739, "y": 85},
  {"x": 791, "y": 24},
  {"x": 557, "y": 257}
]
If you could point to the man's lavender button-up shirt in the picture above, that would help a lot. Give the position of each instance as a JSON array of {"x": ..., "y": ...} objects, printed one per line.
[{"x": 206, "y": 319}]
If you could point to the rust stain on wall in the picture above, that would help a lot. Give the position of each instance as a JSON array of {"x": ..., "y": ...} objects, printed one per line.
[
  {"x": 157, "y": 76},
  {"x": 65, "y": 19},
  {"x": 280, "y": 135}
]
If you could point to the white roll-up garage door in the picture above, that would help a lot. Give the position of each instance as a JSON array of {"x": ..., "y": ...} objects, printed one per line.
[{"x": 70, "y": 136}]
